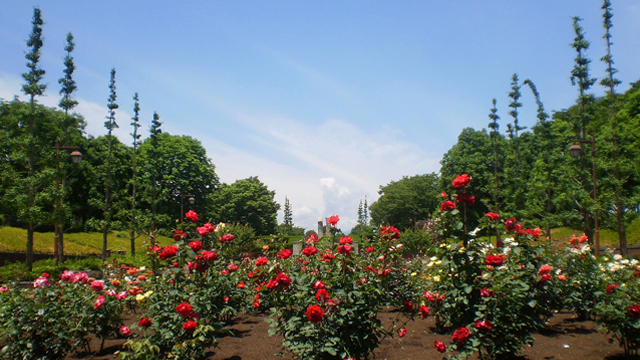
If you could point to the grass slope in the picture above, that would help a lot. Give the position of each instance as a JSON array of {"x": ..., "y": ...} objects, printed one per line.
[{"x": 15, "y": 240}]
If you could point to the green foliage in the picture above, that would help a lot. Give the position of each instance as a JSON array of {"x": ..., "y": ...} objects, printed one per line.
[
  {"x": 249, "y": 202},
  {"x": 406, "y": 201}
]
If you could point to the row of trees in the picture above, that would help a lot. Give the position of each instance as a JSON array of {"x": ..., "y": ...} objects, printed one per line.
[
  {"x": 134, "y": 187},
  {"x": 530, "y": 174}
]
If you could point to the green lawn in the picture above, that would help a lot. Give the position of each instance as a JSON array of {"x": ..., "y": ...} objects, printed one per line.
[
  {"x": 607, "y": 237},
  {"x": 15, "y": 239}
]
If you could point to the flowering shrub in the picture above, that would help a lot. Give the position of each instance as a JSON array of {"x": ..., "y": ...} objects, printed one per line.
[
  {"x": 189, "y": 302},
  {"x": 617, "y": 304},
  {"x": 492, "y": 296},
  {"x": 325, "y": 304}
]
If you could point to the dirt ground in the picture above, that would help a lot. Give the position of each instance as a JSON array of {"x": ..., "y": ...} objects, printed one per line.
[{"x": 564, "y": 339}]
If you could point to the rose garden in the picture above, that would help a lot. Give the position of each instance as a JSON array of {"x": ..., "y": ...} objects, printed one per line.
[{"x": 489, "y": 290}]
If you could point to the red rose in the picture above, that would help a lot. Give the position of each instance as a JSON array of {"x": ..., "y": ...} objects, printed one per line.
[
  {"x": 461, "y": 181},
  {"x": 184, "y": 309},
  {"x": 315, "y": 313},
  {"x": 611, "y": 288},
  {"x": 283, "y": 280},
  {"x": 424, "y": 311},
  {"x": 232, "y": 267},
  {"x": 492, "y": 216},
  {"x": 310, "y": 250},
  {"x": 346, "y": 240},
  {"x": 312, "y": 238},
  {"x": 467, "y": 199},
  {"x": 124, "y": 330},
  {"x": 440, "y": 346},
  {"x": 333, "y": 220},
  {"x": 408, "y": 306},
  {"x": 344, "y": 249},
  {"x": 495, "y": 260},
  {"x": 99, "y": 302},
  {"x": 97, "y": 286},
  {"x": 486, "y": 292},
  {"x": 226, "y": 238},
  {"x": 179, "y": 235},
  {"x": 195, "y": 245},
  {"x": 544, "y": 269},
  {"x": 318, "y": 285},
  {"x": 209, "y": 255},
  {"x": 168, "y": 252},
  {"x": 544, "y": 278},
  {"x": 322, "y": 295},
  {"x": 447, "y": 206},
  {"x": 402, "y": 332},
  {"x": 483, "y": 325},
  {"x": 510, "y": 225},
  {"x": 284, "y": 254},
  {"x": 192, "y": 215},
  {"x": 145, "y": 322},
  {"x": 461, "y": 335},
  {"x": 390, "y": 232},
  {"x": 261, "y": 261},
  {"x": 328, "y": 256},
  {"x": 371, "y": 248},
  {"x": 190, "y": 326},
  {"x": 634, "y": 311}
]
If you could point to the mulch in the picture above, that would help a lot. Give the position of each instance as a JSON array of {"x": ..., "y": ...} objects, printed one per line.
[{"x": 565, "y": 338}]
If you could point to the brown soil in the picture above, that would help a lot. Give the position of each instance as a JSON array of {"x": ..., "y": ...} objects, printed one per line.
[{"x": 564, "y": 339}]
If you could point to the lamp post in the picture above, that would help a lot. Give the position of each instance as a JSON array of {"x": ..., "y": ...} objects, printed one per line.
[
  {"x": 76, "y": 157},
  {"x": 192, "y": 200},
  {"x": 576, "y": 151}
]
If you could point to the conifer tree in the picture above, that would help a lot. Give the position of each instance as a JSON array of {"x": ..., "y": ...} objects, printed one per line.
[
  {"x": 580, "y": 77},
  {"x": 135, "y": 123},
  {"x": 288, "y": 217},
  {"x": 110, "y": 125},
  {"x": 32, "y": 88},
  {"x": 67, "y": 103},
  {"x": 494, "y": 135},
  {"x": 610, "y": 82},
  {"x": 154, "y": 142}
]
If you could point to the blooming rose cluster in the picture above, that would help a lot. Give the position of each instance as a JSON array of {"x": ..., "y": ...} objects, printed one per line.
[
  {"x": 390, "y": 233},
  {"x": 461, "y": 181},
  {"x": 192, "y": 215},
  {"x": 312, "y": 238},
  {"x": 179, "y": 235},
  {"x": 42, "y": 282},
  {"x": 309, "y": 251},
  {"x": 333, "y": 220},
  {"x": 495, "y": 260},
  {"x": 168, "y": 252},
  {"x": 205, "y": 229},
  {"x": 72, "y": 278},
  {"x": 284, "y": 254},
  {"x": 226, "y": 238}
]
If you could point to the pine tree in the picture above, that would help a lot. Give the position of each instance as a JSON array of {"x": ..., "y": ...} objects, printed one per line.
[
  {"x": 610, "y": 82},
  {"x": 110, "y": 125},
  {"x": 67, "y": 103},
  {"x": 154, "y": 141},
  {"x": 495, "y": 136},
  {"x": 32, "y": 88},
  {"x": 288, "y": 217},
  {"x": 580, "y": 77},
  {"x": 135, "y": 123}
]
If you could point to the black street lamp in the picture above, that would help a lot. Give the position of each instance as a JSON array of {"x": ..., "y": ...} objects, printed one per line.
[
  {"x": 576, "y": 151},
  {"x": 76, "y": 157}
]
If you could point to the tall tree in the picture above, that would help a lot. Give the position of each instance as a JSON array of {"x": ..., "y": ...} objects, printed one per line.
[
  {"x": 33, "y": 88},
  {"x": 249, "y": 202},
  {"x": 67, "y": 103},
  {"x": 154, "y": 166},
  {"x": 580, "y": 77},
  {"x": 610, "y": 82},
  {"x": 494, "y": 136},
  {"x": 110, "y": 125},
  {"x": 135, "y": 123},
  {"x": 407, "y": 200},
  {"x": 288, "y": 217}
]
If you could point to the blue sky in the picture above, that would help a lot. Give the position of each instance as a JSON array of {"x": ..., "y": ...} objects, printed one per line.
[{"x": 324, "y": 101}]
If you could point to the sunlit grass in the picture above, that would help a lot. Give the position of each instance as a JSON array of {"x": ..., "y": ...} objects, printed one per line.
[{"x": 15, "y": 240}]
